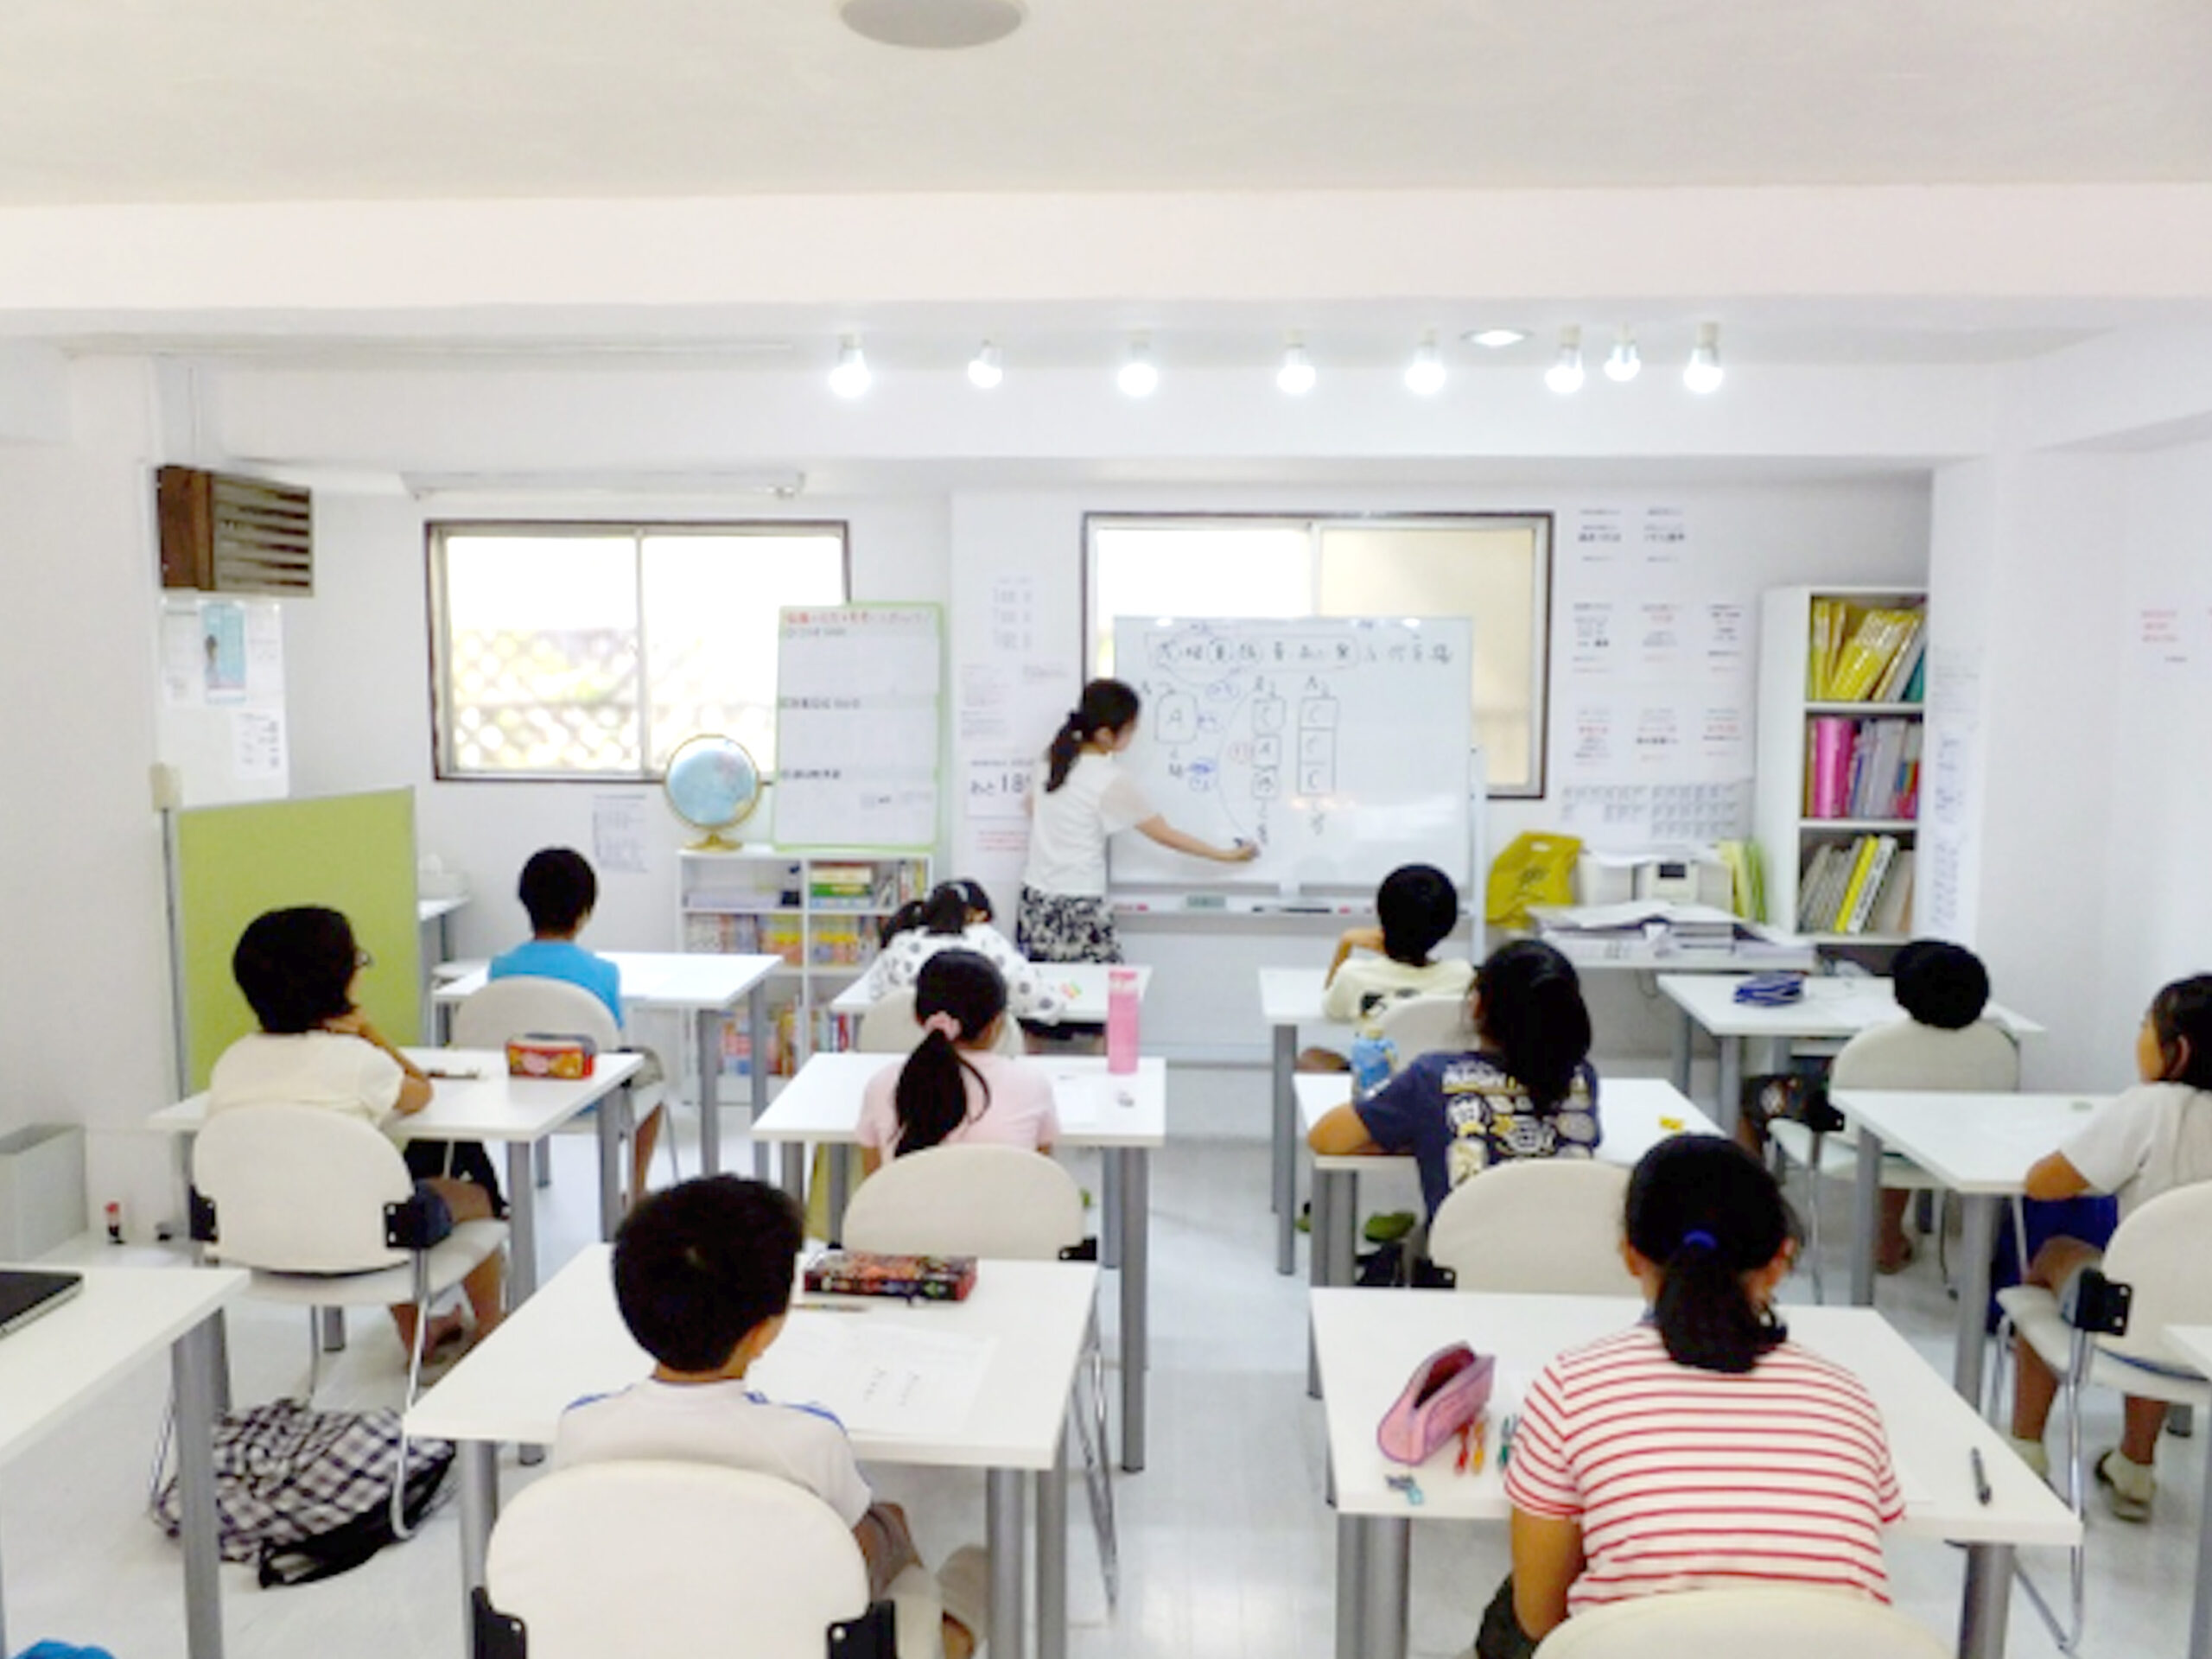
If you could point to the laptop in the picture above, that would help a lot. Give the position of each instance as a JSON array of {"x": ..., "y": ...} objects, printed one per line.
[{"x": 26, "y": 1293}]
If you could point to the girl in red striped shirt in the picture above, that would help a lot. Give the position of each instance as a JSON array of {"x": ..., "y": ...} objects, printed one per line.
[{"x": 1703, "y": 1448}]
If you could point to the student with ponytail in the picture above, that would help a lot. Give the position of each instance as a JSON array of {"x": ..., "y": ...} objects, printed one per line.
[
  {"x": 1702, "y": 1448},
  {"x": 1527, "y": 1092},
  {"x": 1081, "y": 798},
  {"x": 955, "y": 1086},
  {"x": 956, "y": 916}
]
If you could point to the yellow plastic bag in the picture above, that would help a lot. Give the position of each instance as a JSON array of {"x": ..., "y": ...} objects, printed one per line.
[{"x": 1538, "y": 868}]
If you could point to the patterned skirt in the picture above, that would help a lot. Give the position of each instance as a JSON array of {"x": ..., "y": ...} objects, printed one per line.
[{"x": 1065, "y": 927}]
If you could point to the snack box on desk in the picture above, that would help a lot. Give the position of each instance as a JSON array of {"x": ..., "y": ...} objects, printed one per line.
[
  {"x": 542, "y": 1054},
  {"x": 865, "y": 1273}
]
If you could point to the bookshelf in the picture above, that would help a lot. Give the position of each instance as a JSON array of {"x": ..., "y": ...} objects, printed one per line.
[
  {"x": 819, "y": 911},
  {"x": 1837, "y": 774}
]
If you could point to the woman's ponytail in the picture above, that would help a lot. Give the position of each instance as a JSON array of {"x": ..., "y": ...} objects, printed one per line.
[
  {"x": 958, "y": 995},
  {"x": 1706, "y": 1213},
  {"x": 1105, "y": 706},
  {"x": 1528, "y": 1004}
]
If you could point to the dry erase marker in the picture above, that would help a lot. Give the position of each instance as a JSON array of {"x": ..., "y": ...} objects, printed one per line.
[{"x": 1981, "y": 1477}]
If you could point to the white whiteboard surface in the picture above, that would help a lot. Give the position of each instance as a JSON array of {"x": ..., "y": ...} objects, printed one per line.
[
  {"x": 856, "y": 726},
  {"x": 1339, "y": 744}
]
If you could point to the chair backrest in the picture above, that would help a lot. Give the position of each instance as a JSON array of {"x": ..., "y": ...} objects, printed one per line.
[
  {"x": 1806, "y": 1624},
  {"x": 635, "y": 1561},
  {"x": 504, "y": 1008},
  {"x": 297, "y": 1189},
  {"x": 889, "y": 1026},
  {"x": 1549, "y": 1226},
  {"x": 2157, "y": 1252},
  {"x": 1426, "y": 1025},
  {"x": 961, "y": 1200}
]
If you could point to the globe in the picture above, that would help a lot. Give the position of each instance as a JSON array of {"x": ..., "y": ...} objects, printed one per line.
[{"x": 713, "y": 784}]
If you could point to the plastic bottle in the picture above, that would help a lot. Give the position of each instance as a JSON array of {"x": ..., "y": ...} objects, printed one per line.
[
  {"x": 1121, "y": 1020},
  {"x": 1373, "y": 1056}
]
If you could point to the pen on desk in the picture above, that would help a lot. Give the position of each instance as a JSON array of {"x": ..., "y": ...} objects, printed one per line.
[
  {"x": 469, "y": 1073},
  {"x": 831, "y": 1307},
  {"x": 1981, "y": 1477}
]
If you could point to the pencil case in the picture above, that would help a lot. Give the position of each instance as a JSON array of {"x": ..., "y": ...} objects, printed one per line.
[
  {"x": 1447, "y": 1390},
  {"x": 550, "y": 1054},
  {"x": 865, "y": 1273}
]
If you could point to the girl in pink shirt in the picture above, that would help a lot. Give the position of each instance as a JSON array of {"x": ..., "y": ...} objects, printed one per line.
[{"x": 955, "y": 1087}]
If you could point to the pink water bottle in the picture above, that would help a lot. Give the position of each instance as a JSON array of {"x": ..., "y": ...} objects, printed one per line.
[{"x": 1121, "y": 1020}]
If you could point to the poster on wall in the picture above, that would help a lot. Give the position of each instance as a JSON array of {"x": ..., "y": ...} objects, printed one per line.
[
  {"x": 856, "y": 726},
  {"x": 221, "y": 727}
]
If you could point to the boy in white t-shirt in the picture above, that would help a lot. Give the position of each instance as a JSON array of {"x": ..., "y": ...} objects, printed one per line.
[
  {"x": 1416, "y": 908},
  {"x": 702, "y": 1273}
]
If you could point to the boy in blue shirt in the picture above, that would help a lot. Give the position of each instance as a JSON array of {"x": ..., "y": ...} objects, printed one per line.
[{"x": 560, "y": 889}]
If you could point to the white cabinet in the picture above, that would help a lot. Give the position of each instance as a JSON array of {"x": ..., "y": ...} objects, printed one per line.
[
  {"x": 1837, "y": 775},
  {"x": 819, "y": 912}
]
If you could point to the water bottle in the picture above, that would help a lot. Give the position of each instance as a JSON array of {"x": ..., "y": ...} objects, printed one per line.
[
  {"x": 1373, "y": 1056},
  {"x": 1121, "y": 1020}
]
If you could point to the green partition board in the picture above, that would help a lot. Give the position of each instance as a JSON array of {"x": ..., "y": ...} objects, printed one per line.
[{"x": 352, "y": 853}]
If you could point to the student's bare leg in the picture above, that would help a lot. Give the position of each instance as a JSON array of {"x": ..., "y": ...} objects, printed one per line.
[
  {"x": 643, "y": 1140},
  {"x": 485, "y": 1285},
  {"x": 1892, "y": 1249},
  {"x": 2140, "y": 1420},
  {"x": 2036, "y": 1385},
  {"x": 1317, "y": 1058}
]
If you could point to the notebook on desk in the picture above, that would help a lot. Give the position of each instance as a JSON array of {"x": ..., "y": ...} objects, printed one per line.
[{"x": 25, "y": 1295}]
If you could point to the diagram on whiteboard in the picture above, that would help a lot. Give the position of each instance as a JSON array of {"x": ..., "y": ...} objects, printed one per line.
[{"x": 1339, "y": 745}]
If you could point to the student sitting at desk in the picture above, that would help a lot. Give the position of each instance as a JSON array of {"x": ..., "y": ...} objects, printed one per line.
[
  {"x": 1417, "y": 907},
  {"x": 956, "y": 916},
  {"x": 559, "y": 889},
  {"x": 1528, "y": 1092},
  {"x": 956, "y": 1086},
  {"x": 316, "y": 1048},
  {"x": 1702, "y": 1448},
  {"x": 702, "y": 1274}
]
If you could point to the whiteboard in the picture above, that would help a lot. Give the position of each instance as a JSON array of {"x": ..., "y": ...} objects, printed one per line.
[
  {"x": 1339, "y": 744},
  {"x": 856, "y": 726}
]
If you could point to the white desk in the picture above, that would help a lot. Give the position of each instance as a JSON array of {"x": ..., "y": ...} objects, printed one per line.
[
  {"x": 1081, "y": 987},
  {"x": 822, "y": 1105},
  {"x": 123, "y": 1317},
  {"x": 570, "y": 1342},
  {"x": 708, "y": 987},
  {"x": 1979, "y": 1147},
  {"x": 1832, "y": 1010},
  {"x": 2193, "y": 1343},
  {"x": 1634, "y": 1115},
  {"x": 491, "y": 1106},
  {"x": 1370, "y": 1340}
]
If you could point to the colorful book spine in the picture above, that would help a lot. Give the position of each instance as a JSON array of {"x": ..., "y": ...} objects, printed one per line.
[{"x": 1831, "y": 768}]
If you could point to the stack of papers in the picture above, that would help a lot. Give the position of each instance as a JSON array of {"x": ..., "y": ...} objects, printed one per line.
[{"x": 1663, "y": 928}]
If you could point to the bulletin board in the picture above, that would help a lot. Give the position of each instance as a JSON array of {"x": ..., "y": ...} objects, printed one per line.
[
  {"x": 352, "y": 853},
  {"x": 220, "y": 725}
]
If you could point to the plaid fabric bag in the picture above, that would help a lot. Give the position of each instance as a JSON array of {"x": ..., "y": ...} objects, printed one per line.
[{"x": 307, "y": 1494}]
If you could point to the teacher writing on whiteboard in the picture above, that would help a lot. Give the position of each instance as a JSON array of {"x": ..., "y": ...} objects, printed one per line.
[{"x": 1085, "y": 796}]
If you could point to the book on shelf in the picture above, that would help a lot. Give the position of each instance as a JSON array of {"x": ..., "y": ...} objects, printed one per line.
[
  {"x": 1746, "y": 878},
  {"x": 1862, "y": 885},
  {"x": 1862, "y": 768},
  {"x": 1863, "y": 654}
]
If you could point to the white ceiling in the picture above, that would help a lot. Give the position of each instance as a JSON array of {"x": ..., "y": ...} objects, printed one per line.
[{"x": 157, "y": 101}]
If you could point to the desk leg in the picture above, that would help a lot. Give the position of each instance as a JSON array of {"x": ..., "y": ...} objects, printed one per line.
[
  {"x": 191, "y": 1369},
  {"x": 756, "y": 1012},
  {"x": 708, "y": 1040},
  {"x": 1286, "y": 1150},
  {"x": 1866, "y": 1214},
  {"x": 1730, "y": 1105},
  {"x": 1053, "y": 1555},
  {"x": 794, "y": 1163},
  {"x": 1681, "y": 1049},
  {"x": 1109, "y": 1211},
  {"x": 1324, "y": 1188},
  {"x": 1352, "y": 1585},
  {"x": 522, "y": 1226},
  {"x": 2200, "y": 1613},
  {"x": 1136, "y": 1297},
  {"x": 1988, "y": 1601},
  {"x": 840, "y": 1188},
  {"x": 1386, "y": 1554},
  {"x": 1977, "y": 1240},
  {"x": 1334, "y": 1249},
  {"x": 612, "y": 1113},
  {"x": 480, "y": 1508},
  {"x": 1002, "y": 1530}
]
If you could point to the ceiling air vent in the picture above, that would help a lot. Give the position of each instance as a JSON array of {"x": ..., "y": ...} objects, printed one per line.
[{"x": 222, "y": 534}]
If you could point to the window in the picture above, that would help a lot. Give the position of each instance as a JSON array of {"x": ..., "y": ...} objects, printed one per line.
[
  {"x": 592, "y": 651},
  {"x": 1493, "y": 568}
]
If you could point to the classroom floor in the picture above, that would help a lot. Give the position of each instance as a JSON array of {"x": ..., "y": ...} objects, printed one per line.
[{"x": 1227, "y": 1550}]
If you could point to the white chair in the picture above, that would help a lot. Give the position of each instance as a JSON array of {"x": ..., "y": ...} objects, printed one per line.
[
  {"x": 635, "y": 1561},
  {"x": 1806, "y": 1624},
  {"x": 1002, "y": 1202},
  {"x": 2158, "y": 1254},
  {"x": 501, "y": 1009},
  {"x": 1426, "y": 1025},
  {"x": 889, "y": 1026},
  {"x": 321, "y": 1207},
  {"x": 1547, "y": 1226}
]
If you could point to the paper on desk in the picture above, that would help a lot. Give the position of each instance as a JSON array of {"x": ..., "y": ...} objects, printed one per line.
[
  {"x": 877, "y": 1375},
  {"x": 1085, "y": 1100}
]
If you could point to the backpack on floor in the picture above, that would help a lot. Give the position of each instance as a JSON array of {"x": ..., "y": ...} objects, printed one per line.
[{"x": 306, "y": 1495}]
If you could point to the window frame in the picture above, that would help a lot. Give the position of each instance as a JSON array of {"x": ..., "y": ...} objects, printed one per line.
[
  {"x": 437, "y": 531},
  {"x": 1541, "y": 524}
]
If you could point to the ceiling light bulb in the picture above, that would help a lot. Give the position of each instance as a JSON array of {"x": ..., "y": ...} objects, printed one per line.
[
  {"x": 1703, "y": 374},
  {"x": 984, "y": 369},
  {"x": 1497, "y": 338},
  {"x": 849, "y": 378},
  {"x": 1296, "y": 375},
  {"x": 1624, "y": 362},
  {"x": 1565, "y": 375},
  {"x": 1425, "y": 374},
  {"x": 1137, "y": 378}
]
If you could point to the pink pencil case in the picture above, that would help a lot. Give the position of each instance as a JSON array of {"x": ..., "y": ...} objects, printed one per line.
[{"x": 1446, "y": 1391}]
